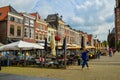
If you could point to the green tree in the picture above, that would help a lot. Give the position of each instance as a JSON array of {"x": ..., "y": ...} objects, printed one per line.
[{"x": 105, "y": 43}]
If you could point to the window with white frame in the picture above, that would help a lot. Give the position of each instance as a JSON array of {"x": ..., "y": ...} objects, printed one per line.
[
  {"x": 26, "y": 32},
  {"x": 41, "y": 27},
  {"x": 32, "y": 23},
  {"x": 61, "y": 30},
  {"x": 31, "y": 33},
  {"x": 26, "y": 22}
]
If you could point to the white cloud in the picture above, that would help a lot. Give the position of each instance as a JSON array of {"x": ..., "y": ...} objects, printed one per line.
[
  {"x": 98, "y": 2},
  {"x": 19, "y": 5},
  {"x": 77, "y": 20},
  {"x": 43, "y": 10},
  {"x": 102, "y": 31},
  {"x": 84, "y": 6},
  {"x": 101, "y": 18}
]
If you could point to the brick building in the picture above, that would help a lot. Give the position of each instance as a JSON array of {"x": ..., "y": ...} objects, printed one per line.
[
  {"x": 11, "y": 25},
  {"x": 28, "y": 27},
  {"x": 41, "y": 28}
]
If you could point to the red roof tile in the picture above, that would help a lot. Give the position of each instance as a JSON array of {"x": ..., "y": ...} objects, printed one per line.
[
  {"x": 4, "y": 11},
  {"x": 36, "y": 15}
]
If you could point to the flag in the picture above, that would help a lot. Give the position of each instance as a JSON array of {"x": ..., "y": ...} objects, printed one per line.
[{"x": 64, "y": 47}]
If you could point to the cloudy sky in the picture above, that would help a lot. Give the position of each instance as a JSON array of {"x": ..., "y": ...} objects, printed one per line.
[{"x": 92, "y": 16}]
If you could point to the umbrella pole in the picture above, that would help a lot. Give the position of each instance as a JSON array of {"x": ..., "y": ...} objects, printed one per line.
[
  {"x": 25, "y": 58},
  {"x": 65, "y": 59},
  {"x": 41, "y": 58},
  {"x": 45, "y": 58},
  {"x": 57, "y": 55}
]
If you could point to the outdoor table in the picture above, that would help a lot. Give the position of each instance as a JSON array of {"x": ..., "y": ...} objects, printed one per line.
[
  {"x": 15, "y": 62},
  {"x": 30, "y": 62}
]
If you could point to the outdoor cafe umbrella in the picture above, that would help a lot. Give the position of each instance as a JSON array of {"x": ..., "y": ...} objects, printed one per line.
[
  {"x": 20, "y": 45},
  {"x": 52, "y": 44},
  {"x": 1, "y": 44}
]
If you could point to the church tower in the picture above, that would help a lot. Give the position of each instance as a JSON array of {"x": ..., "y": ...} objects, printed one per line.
[
  {"x": 117, "y": 24},
  {"x": 117, "y": 3}
]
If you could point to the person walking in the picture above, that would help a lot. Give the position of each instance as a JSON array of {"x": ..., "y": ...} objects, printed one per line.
[
  {"x": 110, "y": 52},
  {"x": 85, "y": 58},
  {"x": 98, "y": 54}
]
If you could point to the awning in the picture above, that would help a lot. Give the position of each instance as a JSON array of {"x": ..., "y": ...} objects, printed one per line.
[
  {"x": 73, "y": 46},
  {"x": 1, "y": 44},
  {"x": 89, "y": 47}
]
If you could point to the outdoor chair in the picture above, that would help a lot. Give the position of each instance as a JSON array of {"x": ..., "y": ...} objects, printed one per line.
[{"x": 37, "y": 61}]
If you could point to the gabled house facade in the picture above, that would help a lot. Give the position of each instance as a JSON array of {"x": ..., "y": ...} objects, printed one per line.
[
  {"x": 57, "y": 23},
  {"x": 29, "y": 27},
  {"x": 41, "y": 28},
  {"x": 11, "y": 25}
]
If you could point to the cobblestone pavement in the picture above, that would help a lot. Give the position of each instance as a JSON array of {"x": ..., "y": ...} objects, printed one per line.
[{"x": 19, "y": 77}]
